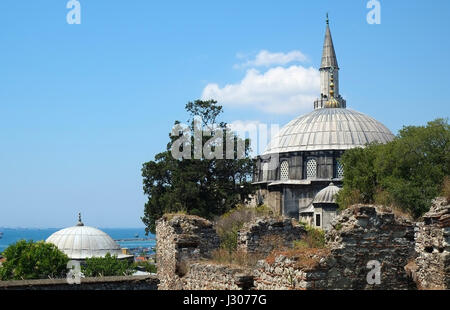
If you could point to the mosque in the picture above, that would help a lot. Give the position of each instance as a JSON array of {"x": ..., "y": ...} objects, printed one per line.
[
  {"x": 81, "y": 242},
  {"x": 307, "y": 175}
]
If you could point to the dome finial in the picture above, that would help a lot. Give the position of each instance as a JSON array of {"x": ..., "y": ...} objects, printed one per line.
[{"x": 80, "y": 223}]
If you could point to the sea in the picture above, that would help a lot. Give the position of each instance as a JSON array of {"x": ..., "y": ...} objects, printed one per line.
[{"x": 132, "y": 238}]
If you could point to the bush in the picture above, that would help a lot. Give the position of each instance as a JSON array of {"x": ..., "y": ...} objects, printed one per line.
[
  {"x": 406, "y": 173},
  {"x": 107, "y": 266},
  {"x": 146, "y": 266},
  {"x": 229, "y": 224},
  {"x": 33, "y": 260},
  {"x": 314, "y": 238},
  {"x": 238, "y": 257}
]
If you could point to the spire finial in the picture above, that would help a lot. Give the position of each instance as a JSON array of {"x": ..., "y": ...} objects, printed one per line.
[
  {"x": 328, "y": 21},
  {"x": 80, "y": 223},
  {"x": 332, "y": 102}
]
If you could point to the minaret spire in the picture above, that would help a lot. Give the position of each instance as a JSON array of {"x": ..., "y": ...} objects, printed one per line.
[
  {"x": 328, "y": 55},
  {"x": 329, "y": 72}
]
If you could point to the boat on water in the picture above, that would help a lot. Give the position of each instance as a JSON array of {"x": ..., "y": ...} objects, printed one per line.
[
  {"x": 136, "y": 235},
  {"x": 1, "y": 235}
]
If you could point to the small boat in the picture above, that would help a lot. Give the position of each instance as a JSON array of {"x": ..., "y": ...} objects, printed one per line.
[
  {"x": 136, "y": 235},
  {"x": 1, "y": 235}
]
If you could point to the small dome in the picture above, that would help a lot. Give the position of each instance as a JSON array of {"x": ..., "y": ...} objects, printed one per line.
[
  {"x": 327, "y": 195},
  {"x": 328, "y": 129},
  {"x": 80, "y": 242}
]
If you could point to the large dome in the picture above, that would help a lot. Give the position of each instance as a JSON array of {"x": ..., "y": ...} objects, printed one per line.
[
  {"x": 328, "y": 129},
  {"x": 81, "y": 242}
]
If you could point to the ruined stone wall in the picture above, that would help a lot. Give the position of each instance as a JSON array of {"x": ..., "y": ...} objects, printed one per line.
[
  {"x": 263, "y": 235},
  {"x": 432, "y": 264},
  {"x": 181, "y": 239},
  {"x": 361, "y": 234},
  {"x": 292, "y": 271},
  {"x": 208, "y": 276}
]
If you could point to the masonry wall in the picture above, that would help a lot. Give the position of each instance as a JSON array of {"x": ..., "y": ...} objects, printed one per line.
[
  {"x": 361, "y": 234},
  {"x": 181, "y": 239},
  {"x": 431, "y": 269},
  {"x": 100, "y": 283},
  {"x": 208, "y": 276},
  {"x": 405, "y": 251},
  {"x": 263, "y": 235}
]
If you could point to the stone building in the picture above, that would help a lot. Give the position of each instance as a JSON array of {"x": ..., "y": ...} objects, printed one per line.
[{"x": 302, "y": 159}]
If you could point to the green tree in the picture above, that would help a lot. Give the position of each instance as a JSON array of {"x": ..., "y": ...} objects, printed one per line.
[
  {"x": 408, "y": 172},
  {"x": 107, "y": 266},
  {"x": 33, "y": 260},
  {"x": 205, "y": 187}
]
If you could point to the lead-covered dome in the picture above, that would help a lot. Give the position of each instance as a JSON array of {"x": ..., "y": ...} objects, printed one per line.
[
  {"x": 329, "y": 129},
  {"x": 80, "y": 242},
  {"x": 327, "y": 195}
]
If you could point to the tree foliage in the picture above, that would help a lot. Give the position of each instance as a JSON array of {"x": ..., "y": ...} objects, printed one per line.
[
  {"x": 107, "y": 266},
  {"x": 204, "y": 186},
  {"x": 407, "y": 172},
  {"x": 33, "y": 260}
]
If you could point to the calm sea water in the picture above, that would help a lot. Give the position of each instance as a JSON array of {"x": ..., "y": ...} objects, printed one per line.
[{"x": 12, "y": 235}]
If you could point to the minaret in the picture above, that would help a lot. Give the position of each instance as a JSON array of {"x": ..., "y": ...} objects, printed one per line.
[{"x": 329, "y": 73}]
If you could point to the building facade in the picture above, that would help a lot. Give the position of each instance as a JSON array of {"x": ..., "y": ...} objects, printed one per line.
[{"x": 303, "y": 158}]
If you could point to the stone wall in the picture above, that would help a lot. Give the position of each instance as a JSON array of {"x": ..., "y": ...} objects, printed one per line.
[
  {"x": 181, "y": 239},
  {"x": 263, "y": 235},
  {"x": 361, "y": 234},
  {"x": 100, "y": 283},
  {"x": 208, "y": 276},
  {"x": 431, "y": 269}
]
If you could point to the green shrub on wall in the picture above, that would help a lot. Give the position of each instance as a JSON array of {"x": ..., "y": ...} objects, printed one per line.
[
  {"x": 33, "y": 260},
  {"x": 406, "y": 173},
  {"x": 107, "y": 266}
]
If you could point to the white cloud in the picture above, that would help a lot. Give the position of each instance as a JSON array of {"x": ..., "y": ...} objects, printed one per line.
[
  {"x": 266, "y": 59},
  {"x": 279, "y": 90},
  {"x": 259, "y": 133}
]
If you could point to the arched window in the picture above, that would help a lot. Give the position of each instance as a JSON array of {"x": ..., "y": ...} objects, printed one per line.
[
  {"x": 284, "y": 171},
  {"x": 311, "y": 169},
  {"x": 339, "y": 170},
  {"x": 265, "y": 170}
]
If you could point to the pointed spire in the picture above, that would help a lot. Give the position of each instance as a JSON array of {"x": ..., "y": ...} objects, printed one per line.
[
  {"x": 80, "y": 223},
  {"x": 329, "y": 55}
]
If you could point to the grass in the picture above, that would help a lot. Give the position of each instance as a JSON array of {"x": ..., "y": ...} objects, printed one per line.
[
  {"x": 237, "y": 258},
  {"x": 305, "y": 258},
  {"x": 229, "y": 224}
]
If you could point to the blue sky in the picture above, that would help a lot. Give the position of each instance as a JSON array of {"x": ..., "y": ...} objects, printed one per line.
[{"x": 83, "y": 106}]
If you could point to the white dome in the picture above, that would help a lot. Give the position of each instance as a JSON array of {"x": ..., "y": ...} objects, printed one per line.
[
  {"x": 329, "y": 129},
  {"x": 81, "y": 242},
  {"x": 327, "y": 195}
]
